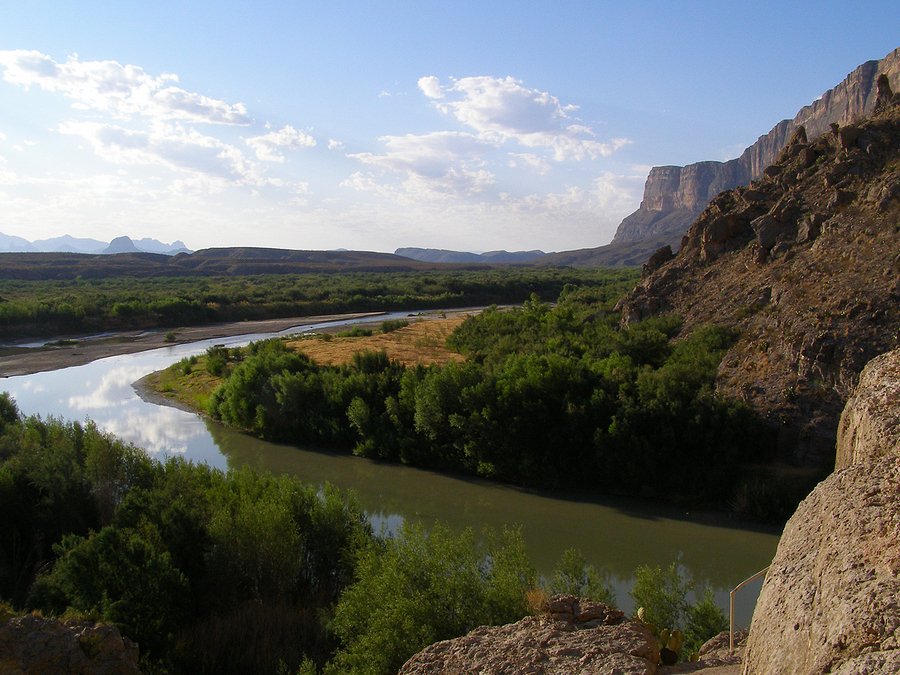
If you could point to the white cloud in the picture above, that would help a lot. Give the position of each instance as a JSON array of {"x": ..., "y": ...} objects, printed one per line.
[
  {"x": 335, "y": 144},
  {"x": 437, "y": 163},
  {"x": 607, "y": 194},
  {"x": 2, "y": 136},
  {"x": 268, "y": 145},
  {"x": 431, "y": 86},
  {"x": 527, "y": 159},
  {"x": 168, "y": 145},
  {"x": 121, "y": 90},
  {"x": 502, "y": 110}
]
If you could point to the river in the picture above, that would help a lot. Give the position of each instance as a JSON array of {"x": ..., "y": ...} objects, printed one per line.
[{"x": 615, "y": 535}]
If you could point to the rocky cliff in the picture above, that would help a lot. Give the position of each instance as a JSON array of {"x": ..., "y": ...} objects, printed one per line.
[
  {"x": 674, "y": 196},
  {"x": 805, "y": 263},
  {"x": 830, "y": 599}
]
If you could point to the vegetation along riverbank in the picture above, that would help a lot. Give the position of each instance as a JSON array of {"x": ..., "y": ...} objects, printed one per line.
[
  {"x": 520, "y": 396},
  {"x": 212, "y": 572}
]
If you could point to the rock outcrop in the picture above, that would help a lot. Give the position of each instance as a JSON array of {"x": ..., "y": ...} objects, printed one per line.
[
  {"x": 870, "y": 423},
  {"x": 31, "y": 644},
  {"x": 674, "y": 196},
  {"x": 804, "y": 263},
  {"x": 831, "y": 599},
  {"x": 573, "y": 638}
]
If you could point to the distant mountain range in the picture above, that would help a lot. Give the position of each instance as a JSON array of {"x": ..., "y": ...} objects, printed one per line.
[
  {"x": 69, "y": 244},
  {"x": 440, "y": 255}
]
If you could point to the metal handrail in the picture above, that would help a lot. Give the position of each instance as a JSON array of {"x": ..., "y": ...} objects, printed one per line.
[{"x": 731, "y": 605}]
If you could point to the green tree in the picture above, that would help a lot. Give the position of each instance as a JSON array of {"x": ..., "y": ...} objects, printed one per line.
[{"x": 119, "y": 576}]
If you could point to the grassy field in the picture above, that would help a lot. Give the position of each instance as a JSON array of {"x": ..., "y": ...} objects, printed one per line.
[{"x": 423, "y": 341}]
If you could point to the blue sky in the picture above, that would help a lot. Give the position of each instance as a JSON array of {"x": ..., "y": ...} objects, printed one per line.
[{"x": 464, "y": 125}]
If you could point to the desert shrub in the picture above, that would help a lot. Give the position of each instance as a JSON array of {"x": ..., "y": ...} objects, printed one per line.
[
  {"x": 662, "y": 594},
  {"x": 356, "y": 331},
  {"x": 573, "y": 575},
  {"x": 704, "y": 620},
  {"x": 421, "y": 587},
  {"x": 393, "y": 324},
  {"x": 216, "y": 360}
]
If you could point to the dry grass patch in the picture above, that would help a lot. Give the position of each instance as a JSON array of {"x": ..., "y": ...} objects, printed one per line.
[
  {"x": 422, "y": 342},
  {"x": 191, "y": 388}
]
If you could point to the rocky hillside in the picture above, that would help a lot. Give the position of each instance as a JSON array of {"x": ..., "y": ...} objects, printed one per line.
[
  {"x": 805, "y": 262},
  {"x": 440, "y": 255},
  {"x": 674, "y": 195}
]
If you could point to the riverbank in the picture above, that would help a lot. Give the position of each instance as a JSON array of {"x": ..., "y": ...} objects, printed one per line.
[{"x": 78, "y": 351}]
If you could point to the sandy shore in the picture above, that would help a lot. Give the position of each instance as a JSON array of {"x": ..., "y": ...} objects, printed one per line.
[{"x": 21, "y": 361}]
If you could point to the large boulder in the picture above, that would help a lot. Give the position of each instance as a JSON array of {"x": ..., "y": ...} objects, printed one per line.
[
  {"x": 831, "y": 599},
  {"x": 32, "y": 644},
  {"x": 572, "y": 638}
]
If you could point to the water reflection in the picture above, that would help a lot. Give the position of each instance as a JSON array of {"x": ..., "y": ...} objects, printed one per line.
[{"x": 112, "y": 390}]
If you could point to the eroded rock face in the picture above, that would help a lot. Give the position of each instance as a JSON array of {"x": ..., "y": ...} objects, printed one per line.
[
  {"x": 870, "y": 423},
  {"x": 30, "y": 644},
  {"x": 574, "y": 638},
  {"x": 831, "y": 599}
]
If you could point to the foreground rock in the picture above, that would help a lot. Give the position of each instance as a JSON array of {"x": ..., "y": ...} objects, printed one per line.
[
  {"x": 31, "y": 644},
  {"x": 870, "y": 423},
  {"x": 831, "y": 599},
  {"x": 573, "y": 638}
]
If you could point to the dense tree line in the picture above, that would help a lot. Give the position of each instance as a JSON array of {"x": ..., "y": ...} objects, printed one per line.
[
  {"x": 53, "y": 307},
  {"x": 242, "y": 572},
  {"x": 550, "y": 396},
  {"x": 208, "y": 572}
]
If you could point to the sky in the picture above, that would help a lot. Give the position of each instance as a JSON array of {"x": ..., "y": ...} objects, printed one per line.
[{"x": 375, "y": 125}]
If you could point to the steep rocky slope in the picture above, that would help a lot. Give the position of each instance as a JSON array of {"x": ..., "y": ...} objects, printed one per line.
[
  {"x": 675, "y": 195},
  {"x": 806, "y": 264},
  {"x": 830, "y": 599}
]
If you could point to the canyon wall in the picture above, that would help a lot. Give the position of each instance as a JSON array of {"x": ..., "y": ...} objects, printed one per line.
[{"x": 674, "y": 196}]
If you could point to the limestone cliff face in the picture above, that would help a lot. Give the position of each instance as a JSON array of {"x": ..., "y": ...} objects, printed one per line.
[
  {"x": 829, "y": 602},
  {"x": 674, "y": 196}
]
